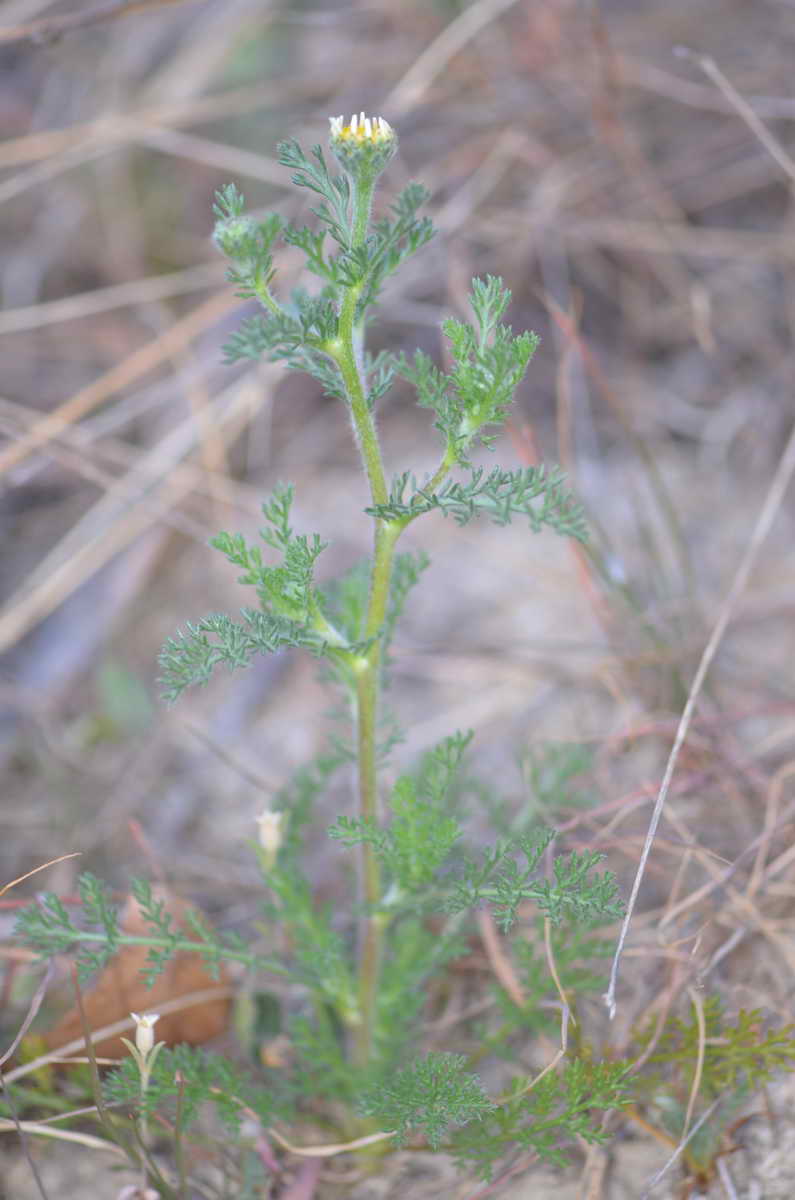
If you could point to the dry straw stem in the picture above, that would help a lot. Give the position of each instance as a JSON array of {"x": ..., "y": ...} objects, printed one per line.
[
  {"x": 739, "y": 905},
  {"x": 62, "y": 1135},
  {"x": 51, "y": 863},
  {"x": 332, "y": 1148},
  {"x": 44, "y": 172},
  {"x": 646, "y": 76},
  {"x": 134, "y": 367},
  {"x": 53, "y": 27},
  {"x": 772, "y": 809},
  {"x": 152, "y": 487},
  {"x": 647, "y": 236},
  {"x": 495, "y": 1188},
  {"x": 772, "y": 503},
  {"x": 721, "y": 880},
  {"x": 680, "y": 1149},
  {"x": 744, "y": 109},
  {"x": 30, "y": 1016},
  {"x": 72, "y": 446},
  {"x": 105, "y": 299},
  {"x": 499, "y": 961},
  {"x": 31, "y": 147},
  {"x": 407, "y": 94},
  {"x": 145, "y": 496},
  {"x": 137, "y": 478},
  {"x": 697, "y": 1001},
  {"x": 65, "y": 1053}
]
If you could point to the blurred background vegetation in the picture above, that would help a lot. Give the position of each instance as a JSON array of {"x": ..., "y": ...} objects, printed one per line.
[{"x": 594, "y": 154}]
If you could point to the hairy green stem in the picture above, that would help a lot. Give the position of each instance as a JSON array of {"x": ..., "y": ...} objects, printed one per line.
[
  {"x": 349, "y": 356},
  {"x": 368, "y": 688},
  {"x": 368, "y": 680},
  {"x": 263, "y": 294}
]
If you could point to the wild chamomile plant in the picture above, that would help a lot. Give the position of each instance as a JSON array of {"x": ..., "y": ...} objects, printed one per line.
[{"x": 356, "y": 1041}]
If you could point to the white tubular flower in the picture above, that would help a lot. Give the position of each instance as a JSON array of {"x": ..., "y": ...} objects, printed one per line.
[
  {"x": 363, "y": 146},
  {"x": 271, "y": 833},
  {"x": 145, "y": 1032}
]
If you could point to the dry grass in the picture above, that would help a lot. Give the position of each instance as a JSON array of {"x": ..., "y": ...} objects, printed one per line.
[{"x": 639, "y": 205}]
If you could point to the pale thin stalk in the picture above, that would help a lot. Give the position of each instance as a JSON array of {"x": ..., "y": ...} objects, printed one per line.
[
  {"x": 698, "y": 1004},
  {"x": 772, "y": 503}
]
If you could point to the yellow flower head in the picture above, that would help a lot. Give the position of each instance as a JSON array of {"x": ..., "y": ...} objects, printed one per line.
[
  {"x": 361, "y": 128},
  {"x": 364, "y": 145}
]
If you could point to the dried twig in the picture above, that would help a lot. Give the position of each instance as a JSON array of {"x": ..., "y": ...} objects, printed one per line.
[{"x": 49, "y": 28}]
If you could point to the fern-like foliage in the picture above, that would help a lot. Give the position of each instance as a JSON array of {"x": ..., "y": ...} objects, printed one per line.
[
  {"x": 321, "y": 1068},
  {"x": 333, "y": 210},
  {"x": 563, "y": 1106},
  {"x": 394, "y": 240},
  {"x": 417, "y": 952},
  {"x": 379, "y": 372},
  {"x": 291, "y": 612},
  {"x": 535, "y": 493},
  {"x": 245, "y": 242},
  {"x": 296, "y": 338},
  {"x": 577, "y": 952},
  {"x": 576, "y": 892},
  {"x": 49, "y": 928},
  {"x": 298, "y": 799},
  {"x": 285, "y": 590},
  {"x": 190, "y": 657},
  {"x": 429, "y": 1096},
  {"x": 549, "y": 769},
  {"x": 489, "y": 364},
  {"x": 321, "y": 959},
  {"x": 740, "y": 1054},
  {"x": 184, "y": 1079},
  {"x": 421, "y": 834},
  {"x": 739, "y": 1057}
]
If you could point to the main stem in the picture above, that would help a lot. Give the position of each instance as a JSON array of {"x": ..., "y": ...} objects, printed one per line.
[{"x": 368, "y": 677}]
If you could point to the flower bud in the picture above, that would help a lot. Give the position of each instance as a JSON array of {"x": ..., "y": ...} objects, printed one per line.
[
  {"x": 364, "y": 146},
  {"x": 145, "y": 1031},
  {"x": 271, "y": 833},
  {"x": 235, "y": 236}
]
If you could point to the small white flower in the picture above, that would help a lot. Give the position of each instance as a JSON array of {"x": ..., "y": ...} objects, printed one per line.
[
  {"x": 363, "y": 147},
  {"x": 145, "y": 1031},
  {"x": 271, "y": 833},
  {"x": 361, "y": 129}
]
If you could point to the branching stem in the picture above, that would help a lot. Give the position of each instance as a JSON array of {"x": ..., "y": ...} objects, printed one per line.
[{"x": 350, "y": 361}]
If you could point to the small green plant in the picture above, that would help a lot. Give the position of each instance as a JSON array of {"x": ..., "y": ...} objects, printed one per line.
[
  {"x": 702, "y": 1073},
  {"x": 356, "y": 1043}
]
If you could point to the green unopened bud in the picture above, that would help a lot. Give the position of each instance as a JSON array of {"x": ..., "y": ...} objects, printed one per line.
[
  {"x": 363, "y": 146},
  {"x": 235, "y": 236}
]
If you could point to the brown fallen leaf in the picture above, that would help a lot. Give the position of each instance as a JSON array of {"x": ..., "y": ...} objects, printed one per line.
[{"x": 120, "y": 990}]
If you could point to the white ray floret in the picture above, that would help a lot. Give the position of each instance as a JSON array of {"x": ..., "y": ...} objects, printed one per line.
[{"x": 362, "y": 128}]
